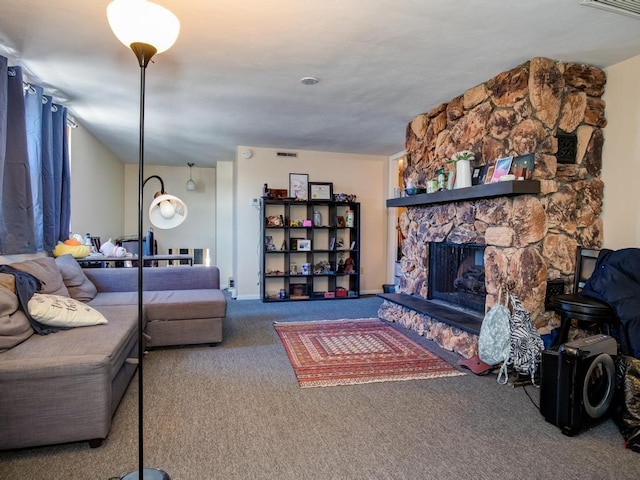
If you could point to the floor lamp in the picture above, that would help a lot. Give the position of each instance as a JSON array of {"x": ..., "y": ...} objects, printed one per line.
[{"x": 146, "y": 28}]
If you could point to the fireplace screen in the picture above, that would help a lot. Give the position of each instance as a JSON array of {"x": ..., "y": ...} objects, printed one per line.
[{"x": 456, "y": 275}]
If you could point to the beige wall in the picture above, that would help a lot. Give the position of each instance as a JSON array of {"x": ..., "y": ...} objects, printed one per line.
[
  {"x": 224, "y": 221},
  {"x": 97, "y": 187},
  {"x": 621, "y": 156},
  {"x": 198, "y": 230},
  {"x": 363, "y": 175}
]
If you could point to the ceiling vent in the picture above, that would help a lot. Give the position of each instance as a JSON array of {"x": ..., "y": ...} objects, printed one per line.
[
  {"x": 287, "y": 154},
  {"x": 631, "y": 8}
]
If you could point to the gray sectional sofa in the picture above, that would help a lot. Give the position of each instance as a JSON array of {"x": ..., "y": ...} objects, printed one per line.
[{"x": 66, "y": 386}]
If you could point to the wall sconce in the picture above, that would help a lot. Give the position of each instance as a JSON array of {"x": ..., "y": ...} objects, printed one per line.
[{"x": 191, "y": 185}]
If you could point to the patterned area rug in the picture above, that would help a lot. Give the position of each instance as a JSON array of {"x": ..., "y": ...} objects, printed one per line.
[{"x": 349, "y": 352}]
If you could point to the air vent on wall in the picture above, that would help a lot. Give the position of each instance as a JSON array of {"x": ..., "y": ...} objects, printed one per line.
[
  {"x": 287, "y": 154},
  {"x": 567, "y": 148},
  {"x": 630, "y": 8}
]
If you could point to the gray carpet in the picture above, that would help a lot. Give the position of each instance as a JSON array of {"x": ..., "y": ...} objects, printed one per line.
[{"x": 235, "y": 411}]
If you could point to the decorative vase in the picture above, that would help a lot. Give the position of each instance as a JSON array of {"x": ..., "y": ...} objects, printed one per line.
[{"x": 463, "y": 173}]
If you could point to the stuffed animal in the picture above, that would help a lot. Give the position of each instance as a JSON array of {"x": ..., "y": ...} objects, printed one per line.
[
  {"x": 110, "y": 250},
  {"x": 72, "y": 246}
]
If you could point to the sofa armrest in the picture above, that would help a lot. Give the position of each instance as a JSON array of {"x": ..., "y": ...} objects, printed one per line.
[{"x": 155, "y": 278}]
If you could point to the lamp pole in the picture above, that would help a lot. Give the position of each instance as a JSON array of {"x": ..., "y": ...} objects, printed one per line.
[
  {"x": 146, "y": 28},
  {"x": 143, "y": 53}
]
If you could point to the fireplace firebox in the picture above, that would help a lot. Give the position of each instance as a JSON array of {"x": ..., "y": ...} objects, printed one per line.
[{"x": 456, "y": 275}]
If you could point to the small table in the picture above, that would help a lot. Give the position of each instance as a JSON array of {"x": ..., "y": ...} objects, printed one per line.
[{"x": 152, "y": 258}]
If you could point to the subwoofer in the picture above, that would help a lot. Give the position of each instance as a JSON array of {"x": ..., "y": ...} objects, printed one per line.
[{"x": 577, "y": 382}]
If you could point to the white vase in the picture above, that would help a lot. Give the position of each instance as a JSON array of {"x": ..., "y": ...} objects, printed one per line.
[{"x": 463, "y": 173}]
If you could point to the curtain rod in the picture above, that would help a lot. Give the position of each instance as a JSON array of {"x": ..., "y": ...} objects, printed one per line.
[{"x": 71, "y": 122}]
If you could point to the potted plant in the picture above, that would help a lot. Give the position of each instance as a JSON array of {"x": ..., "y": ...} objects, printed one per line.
[{"x": 462, "y": 160}]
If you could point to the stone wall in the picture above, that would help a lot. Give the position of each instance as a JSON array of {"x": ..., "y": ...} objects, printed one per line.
[{"x": 529, "y": 238}]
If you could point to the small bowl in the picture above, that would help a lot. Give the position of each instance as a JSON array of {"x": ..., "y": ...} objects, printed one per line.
[{"x": 411, "y": 191}]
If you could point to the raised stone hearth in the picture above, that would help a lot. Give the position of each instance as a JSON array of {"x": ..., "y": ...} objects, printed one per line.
[{"x": 529, "y": 238}]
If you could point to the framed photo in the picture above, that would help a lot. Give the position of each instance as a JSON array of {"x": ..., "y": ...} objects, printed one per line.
[
  {"x": 522, "y": 167},
  {"x": 502, "y": 168},
  {"x": 488, "y": 174},
  {"x": 268, "y": 243},
  {"x": 476, "y": 176},
  {"x": 304, "y": 245},
  {"x": 299, "y": 186},
  {"x": 293, "y": 243},
  {"x": 340, "y": 222},
  {"x": 320, "y": 191}
]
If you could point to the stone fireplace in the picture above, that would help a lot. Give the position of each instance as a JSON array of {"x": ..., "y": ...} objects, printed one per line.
[{"x": 528, "y": 239}]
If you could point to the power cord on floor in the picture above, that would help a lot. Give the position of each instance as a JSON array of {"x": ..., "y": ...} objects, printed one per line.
[{"x": 524, "y": 389}]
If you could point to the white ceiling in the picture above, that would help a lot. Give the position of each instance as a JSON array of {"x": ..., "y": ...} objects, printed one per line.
[{"x": 232, "y": 78}]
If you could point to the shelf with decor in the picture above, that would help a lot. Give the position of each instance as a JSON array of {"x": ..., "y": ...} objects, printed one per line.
[
  {"x": 476, "y": 192},
  {"x": 310, "y": 250}
]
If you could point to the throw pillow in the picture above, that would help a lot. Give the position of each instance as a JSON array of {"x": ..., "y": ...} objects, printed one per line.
[
  {"x": 14, "y": 324},
  {"x": 59, "y": 311},
  {"x": 77, "y": 283},
  {"x": 45, "y": 270}
]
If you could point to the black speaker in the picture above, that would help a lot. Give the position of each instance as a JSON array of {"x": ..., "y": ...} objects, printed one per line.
[{"x": 577, "y": 382}]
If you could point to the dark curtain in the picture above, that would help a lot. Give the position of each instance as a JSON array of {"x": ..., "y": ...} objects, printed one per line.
[
  {"x": 61, "y": 175},
  {"x": 33, "y": 109},
  {"x": 49, "y": 237},
  {"x": 17, "y": 203},
  {"x": 34, "y": 167}
]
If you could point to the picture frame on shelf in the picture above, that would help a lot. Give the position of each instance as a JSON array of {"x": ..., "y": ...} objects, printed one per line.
[
  {"x": 303, "y": 245},
  {"x": 522, "y": 167},
  {"x": 320, "y": 191},
  {"x": 488, "y": 174},
  {"x": 299, "y": 186},
  {"x": 293, "y": 243},
  {"x": 503, "y": 166},
  {"x": 477, "y": 175},
  {"x": 340, "y": 222},
  {"x": 268, "y": 243}
]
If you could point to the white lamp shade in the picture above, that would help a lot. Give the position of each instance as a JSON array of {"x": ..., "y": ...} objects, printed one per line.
[
  {"x": 167, "y": 211},
  {"x": 191, "y": 185},
  {"x": 140, "y": 21}
]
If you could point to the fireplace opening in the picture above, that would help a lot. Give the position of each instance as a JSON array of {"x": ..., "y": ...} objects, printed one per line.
[{"x": 456, "y": 275}]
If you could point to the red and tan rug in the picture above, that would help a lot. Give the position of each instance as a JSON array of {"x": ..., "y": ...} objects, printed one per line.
[{"x": 349, "y": 352}]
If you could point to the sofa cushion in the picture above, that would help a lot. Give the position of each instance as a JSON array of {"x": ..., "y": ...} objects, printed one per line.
[
  {"x": 45, "y": 270},
  {"x": 59, "y": 311},
  {"x": 105, "y": 340},
  {"x": 14, "y": 324},
  {"x": 77, "y": 283},
  {"x": 8, "y": 299},
  {"x": 114, "y": 298},
  {"x": 184, "y": 304},
  {"x": 170, "y": 304}
]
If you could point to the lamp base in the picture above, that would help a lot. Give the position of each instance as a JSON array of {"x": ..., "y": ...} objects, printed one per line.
[{"x": 147, "y": 474}]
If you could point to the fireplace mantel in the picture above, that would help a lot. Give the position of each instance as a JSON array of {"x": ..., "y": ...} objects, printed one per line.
[{"x": 476, "y": 192}]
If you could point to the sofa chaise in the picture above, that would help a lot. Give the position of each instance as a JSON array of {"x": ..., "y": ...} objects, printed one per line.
[{"x": 65, "y": 386}]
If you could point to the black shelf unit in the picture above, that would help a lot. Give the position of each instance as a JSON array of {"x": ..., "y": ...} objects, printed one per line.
[{"x": 329, "y": 273}]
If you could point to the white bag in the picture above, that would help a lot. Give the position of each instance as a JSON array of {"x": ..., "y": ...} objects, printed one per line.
[{"x": 495, "y": 332}]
